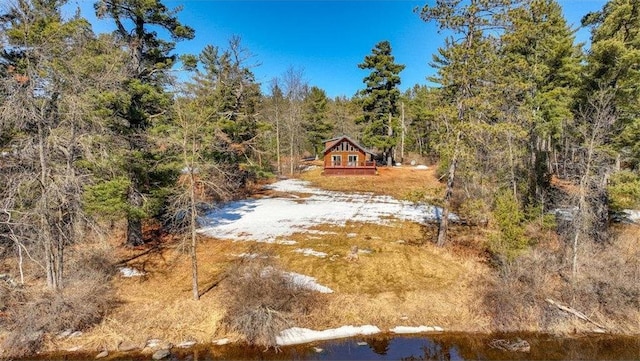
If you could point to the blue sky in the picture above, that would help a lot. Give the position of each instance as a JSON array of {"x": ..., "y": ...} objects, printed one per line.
[{"x": 325, "y": 39}]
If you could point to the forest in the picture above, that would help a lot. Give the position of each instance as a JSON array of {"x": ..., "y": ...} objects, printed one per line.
[{"x": 97, "y": 134}]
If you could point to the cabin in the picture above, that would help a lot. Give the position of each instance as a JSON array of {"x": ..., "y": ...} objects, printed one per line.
[{"x": 343, "y": 156}]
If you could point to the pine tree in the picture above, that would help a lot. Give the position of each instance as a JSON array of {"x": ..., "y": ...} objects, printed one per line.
[
  {"x": 143, "y": 98},
  {"x": 422, "y": 118},
  {"x": 467, "y": 74},
  {"x": 614, "y": 64},
  {"x": 380, "y": 100},
  {"x": 316, "y": 122},
  {"x": 541, "y": 76},
  {"x": 227, "y": 87}
]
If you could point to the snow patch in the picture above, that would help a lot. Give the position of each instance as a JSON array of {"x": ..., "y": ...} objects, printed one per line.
[
  {"x": 311, "y": 252},
  {"x": 307, "y": 282},
  {"x": 186, "y": 344},
  {"x": 632, "y": 214},
  {"x": 418, "y": 329},
  {"x": 248, "y": 255},
  {"x": 267, "y": 219},
  {"x": 130, "y": 272},
  {"x": 297, "y": 335},
  {"x": 222, "y": 341},
  {"x": 421, "y": 167},
  {"x": 286, "y": 242}
]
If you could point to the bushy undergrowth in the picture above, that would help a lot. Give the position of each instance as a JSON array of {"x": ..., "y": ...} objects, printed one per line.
[
  {"x": 261, "y": 301},
  {"x": 605, "y": 287},
  {"x": 32, "y": 313}
]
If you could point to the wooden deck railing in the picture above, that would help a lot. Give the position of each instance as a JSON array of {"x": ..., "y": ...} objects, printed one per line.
[{"x": 367, "y": 164}]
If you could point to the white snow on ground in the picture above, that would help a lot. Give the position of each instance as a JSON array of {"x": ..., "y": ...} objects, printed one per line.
[
  {"x": 297, "y": 335},
  {"x": 266, "y": 219},
  {"x": 287, "y": 242},
  {"x": 251, "y": 255},
  {"x": 307, "y": 282},
  {"x": 311, "y": 252},
  {"x": 418, "y": 329},
  {"x": 130, "y": 272},
  {"x": 633, "y": 214}
]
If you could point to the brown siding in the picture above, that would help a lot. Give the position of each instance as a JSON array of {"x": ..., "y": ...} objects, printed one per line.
[{"x": 362, "y": 157}]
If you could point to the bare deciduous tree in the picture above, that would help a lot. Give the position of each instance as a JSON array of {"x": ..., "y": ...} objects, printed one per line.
[{"x": 49, "y": 85}]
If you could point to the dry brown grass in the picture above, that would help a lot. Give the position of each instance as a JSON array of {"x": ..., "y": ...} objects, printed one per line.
[
  {"x": 399, "y": 182},
  {"x": 396, "y": 281}
]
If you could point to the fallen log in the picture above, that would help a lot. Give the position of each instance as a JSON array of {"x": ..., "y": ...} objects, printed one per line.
[{"x": 574, "y": 312}]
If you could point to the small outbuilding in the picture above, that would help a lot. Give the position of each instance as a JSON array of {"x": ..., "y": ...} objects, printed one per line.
[{"x": 344, "y": 156}]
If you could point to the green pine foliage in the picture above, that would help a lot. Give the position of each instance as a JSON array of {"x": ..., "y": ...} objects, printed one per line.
[
  {"x": 624, "y": 190},
  {"x": 316, "y": 119},
  {"x": 226, "y": 88},
  {"x": 380, "y": 99},
  {"x": 510, "y": 240},
  {"x": 108, "y": 200},
  {"x": 614, "y": 65},
  {"x": 142, "y": 100}
]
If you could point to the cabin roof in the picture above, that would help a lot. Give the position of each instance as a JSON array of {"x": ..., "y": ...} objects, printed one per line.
[{"x": 333, "y": 141}]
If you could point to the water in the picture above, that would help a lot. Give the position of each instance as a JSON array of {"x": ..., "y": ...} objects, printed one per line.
[{"x": 445, "y": 347}]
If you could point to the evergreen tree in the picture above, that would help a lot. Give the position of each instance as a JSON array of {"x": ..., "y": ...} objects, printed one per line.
[
  {"x": 614, "y": 64},
  {"x": 316, "y": 122},
  {"x": 467, "y": 74},
  {"x": 142, "y": 98},
  {"x": 274, "y": 109},
  {"x": 344, "y": 112},
  {"x": 227, "y": 88},
  {"x": 380, "y": 100},
  {"x": 53, "y": 71},
  {"x": 421, "y": 119},
  {"x": 541, "y": 76}
]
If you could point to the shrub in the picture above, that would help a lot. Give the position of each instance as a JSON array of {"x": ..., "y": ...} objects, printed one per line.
[
  {"x": 83, "y": 302},
  {"x": 510, "y": 240},
  {"x": 624, "y": 190},
  {"x": 261, "y": 301}
]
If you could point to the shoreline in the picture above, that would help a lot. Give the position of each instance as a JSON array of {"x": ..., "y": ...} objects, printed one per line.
[{"x": 241, "y": 351}]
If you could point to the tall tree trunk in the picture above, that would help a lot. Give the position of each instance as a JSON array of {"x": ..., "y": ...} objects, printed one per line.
[
  {"x": 45, "y": 228},
  {"x": 134, "y": 223},
  {"x": 444, "y": 218},
  {"x": 390, "y": 134},
  {"x": 402, "y": 134},
  {"x": 512, "y": 166},
  {"x": 192, "y": 250},
  {"x": 278, "y": 141},
  {"x": 291, "y": 138}
]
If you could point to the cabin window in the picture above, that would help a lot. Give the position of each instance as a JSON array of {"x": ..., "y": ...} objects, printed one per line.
[
  {"x": 353, "y": 160},
  {"x": 336, "y": 160}
]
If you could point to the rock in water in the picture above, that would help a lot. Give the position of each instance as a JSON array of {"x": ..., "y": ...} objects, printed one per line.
[{"x": 160, "y": 354}]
